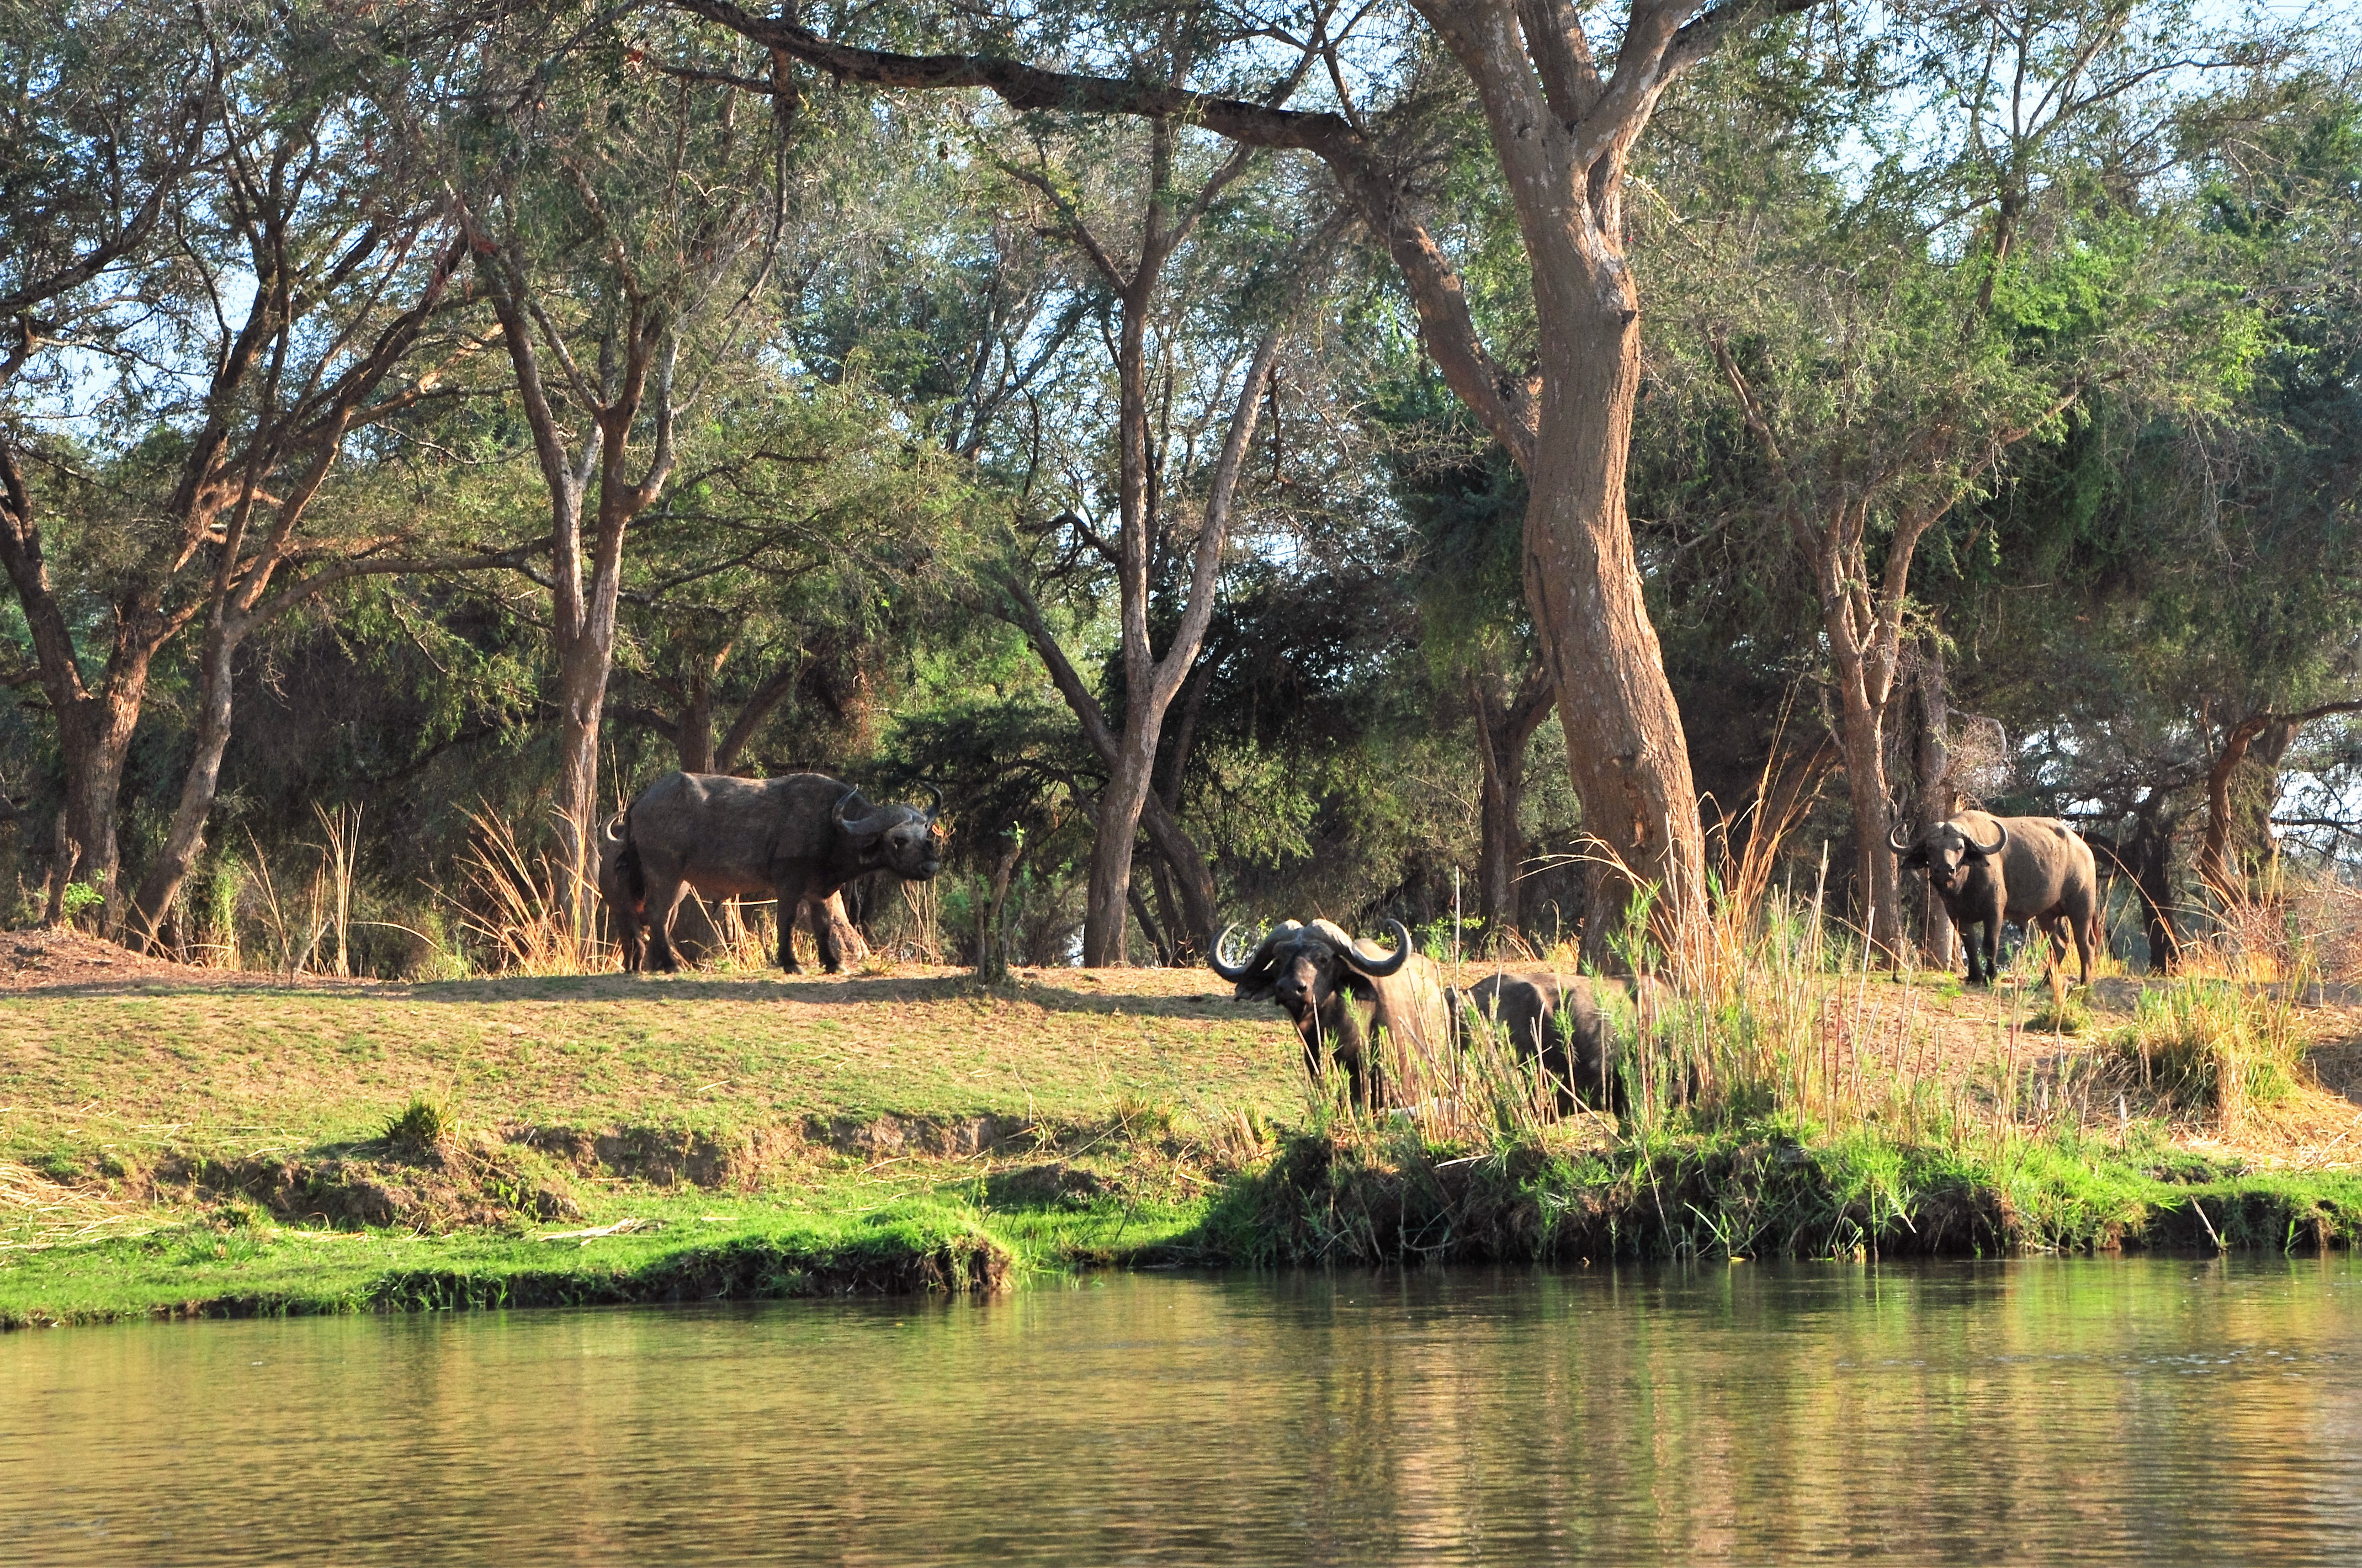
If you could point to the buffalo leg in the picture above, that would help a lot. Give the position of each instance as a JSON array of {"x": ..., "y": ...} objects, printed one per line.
[
  {"x": 1982, "y": 937},
  {"x": 790, "y": 897},
  {"x": 832, "y": 951},
  {"x": 663, "y": 898}
]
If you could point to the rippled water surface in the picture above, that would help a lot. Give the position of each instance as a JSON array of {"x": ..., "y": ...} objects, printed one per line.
[{"x": 2141, "y": 1411}]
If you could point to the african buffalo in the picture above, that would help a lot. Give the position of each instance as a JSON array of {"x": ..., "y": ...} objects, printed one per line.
[
  {"x": 798, "y": 839},
  {"x": 1568, "y": 1022},
  {"x": 1988, "y": 870},
  {"x": 1339, "y": 992}
]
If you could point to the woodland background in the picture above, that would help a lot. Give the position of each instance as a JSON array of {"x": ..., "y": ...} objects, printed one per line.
[{"x": 425, "y": 422}]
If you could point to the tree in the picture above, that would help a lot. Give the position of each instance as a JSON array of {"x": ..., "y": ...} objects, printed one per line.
[
  {"x": 1153, "y": 475},
  {"x": 617, "y": 217},
  {"x": 108, "y": 112},
  {"x": 1563, "y": 126},
  {"x": 1890, "y": 341}
]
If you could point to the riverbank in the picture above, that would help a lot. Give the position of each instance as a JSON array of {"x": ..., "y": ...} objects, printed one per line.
[{"x": 176, "y": 1142}]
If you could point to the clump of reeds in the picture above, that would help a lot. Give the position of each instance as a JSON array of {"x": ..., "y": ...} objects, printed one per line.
[
  {"x": 2208, "y": 1043},
  {"x": 536, "y": 915}
]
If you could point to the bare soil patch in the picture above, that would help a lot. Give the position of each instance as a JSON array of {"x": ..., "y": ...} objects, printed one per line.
[{"x": 58, "y": 957}]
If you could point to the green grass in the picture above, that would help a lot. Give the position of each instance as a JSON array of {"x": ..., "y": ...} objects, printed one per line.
[
  {"x": 189, "y": 1146},
  {"x": 249, "y": 1068}
]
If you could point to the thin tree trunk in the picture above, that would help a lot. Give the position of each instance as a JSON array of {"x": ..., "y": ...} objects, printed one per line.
[
  {"x": 1503, "y": 731},
  {"x": 1938, "y": 799},
  {"x": 695, "y": 742},
  {"x": 1194, "y": 879},
  {"x": 1153, "y": 684},
  {"x": 2150, "y": 860},
  {"x": 184, "y": 840}
]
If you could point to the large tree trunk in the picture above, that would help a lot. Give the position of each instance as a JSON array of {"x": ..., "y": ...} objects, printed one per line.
[
  {"x": 94, "y": 734},
  {"x": 1108, "y": 894},
  {"x": 1938, "y": 799},
  {"x": 1625, "y": 749}
]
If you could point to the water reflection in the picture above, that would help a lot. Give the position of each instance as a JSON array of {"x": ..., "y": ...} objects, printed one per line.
[{"x": 2037, "y": 1412}]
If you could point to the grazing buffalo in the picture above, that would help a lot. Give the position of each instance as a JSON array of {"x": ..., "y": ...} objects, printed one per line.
[
  {"x": 1568, "y": 1022},
  {"x": 1339, "y": 992},
  {"x": 1988, "y": 870},
  {"x": 798, "y": 839}
]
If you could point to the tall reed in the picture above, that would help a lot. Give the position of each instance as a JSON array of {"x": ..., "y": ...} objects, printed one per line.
[{"x": 525, "y": 903}]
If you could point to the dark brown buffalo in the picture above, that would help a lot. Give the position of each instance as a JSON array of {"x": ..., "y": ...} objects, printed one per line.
[
  {"x": 1990, "y": 870},
  {"x": 796, "y": 839},
  {"x": 1568, "y": 1022},
  {"x": 1337, "y": 992}
]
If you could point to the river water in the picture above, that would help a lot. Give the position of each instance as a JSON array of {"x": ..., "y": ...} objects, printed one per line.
[{"x": 2136, "y": 1410}]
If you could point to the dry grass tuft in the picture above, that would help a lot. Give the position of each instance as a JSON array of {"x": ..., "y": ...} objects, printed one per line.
[
  {"x": 37, "y": 1213},
  {"x": 523, "y": 911}
]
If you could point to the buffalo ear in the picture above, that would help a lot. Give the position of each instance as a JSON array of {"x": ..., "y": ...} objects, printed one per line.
[{"x": 1915, "y": 861}]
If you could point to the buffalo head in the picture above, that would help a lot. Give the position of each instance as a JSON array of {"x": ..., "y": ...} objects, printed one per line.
[
  {"x": 901, "y": 839},
  {"x": 1303, "y": 967},
  {"x": 1947, "y": 852}
]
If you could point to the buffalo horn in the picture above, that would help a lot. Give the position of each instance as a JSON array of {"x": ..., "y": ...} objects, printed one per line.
[
  {"x": 870, "y": 826},
  {"x": 1378, "y": 969},
  {"x": 614, "y": 822},
  {"x": 1997, "y": 845},
  {"x": 935, "y": 797},
  {"x": 1896, "y": 842},
  {"x": 1233, "y": 973}
]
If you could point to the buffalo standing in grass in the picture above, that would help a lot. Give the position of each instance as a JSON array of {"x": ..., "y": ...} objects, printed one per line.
[
  {"x": 1567, "y": 1023},
  {"x": 1989, "y": 870},
  {"x": 1339, "y": 991},
  {"x": 798, "y": 839}
]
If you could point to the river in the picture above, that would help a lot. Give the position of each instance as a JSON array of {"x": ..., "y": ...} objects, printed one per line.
[{"x": 2069, "y": 1411}]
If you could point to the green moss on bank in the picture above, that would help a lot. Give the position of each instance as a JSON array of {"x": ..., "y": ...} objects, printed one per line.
[
  {"x": 1758, "y": 1193},
  {"x": 247, "y": 1269}
]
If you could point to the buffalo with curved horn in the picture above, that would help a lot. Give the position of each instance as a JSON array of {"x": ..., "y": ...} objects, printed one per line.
[
  {"x": 1990, "y": 870},
  {"x": 798, "y": 839},
  {"x": 1339, "y": 991}
]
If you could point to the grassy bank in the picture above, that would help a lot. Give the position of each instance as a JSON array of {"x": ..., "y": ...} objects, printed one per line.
[
  {"x": 1760, "y": 1192},
  {"x": 175, "y": 1143}
]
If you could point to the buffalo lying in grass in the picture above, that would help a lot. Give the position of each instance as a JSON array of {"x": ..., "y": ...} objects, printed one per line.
[
  {"x": 798, "y": 839},
  {"x": 1990, "y": 870},
  {"x": 1568, "y": 1022},
  {"x": 1339, "y": 991}
]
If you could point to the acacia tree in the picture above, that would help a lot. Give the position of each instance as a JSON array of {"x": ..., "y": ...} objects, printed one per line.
[
  {"x": 107, "y": 115},
  {"x": 617, "y": 216},
  {"x": 1563, "y": 114},
  {"x": 287, "y": 277},
  {"x": 1160, "y": 209},
  {"x": 1887, "y": 347}
]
